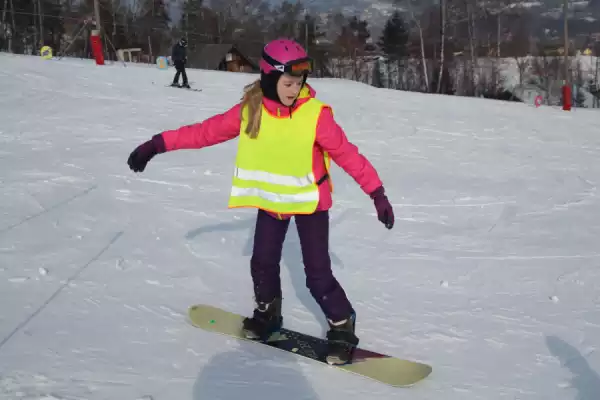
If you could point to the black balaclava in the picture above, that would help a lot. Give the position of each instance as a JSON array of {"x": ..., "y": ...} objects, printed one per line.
[{"x": 268, "y": 84}]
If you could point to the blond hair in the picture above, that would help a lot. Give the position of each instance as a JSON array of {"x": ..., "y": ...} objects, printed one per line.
[{"x": 253, "y": 100}]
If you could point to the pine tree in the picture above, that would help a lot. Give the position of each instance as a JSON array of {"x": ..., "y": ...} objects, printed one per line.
[
  {"x": 353, "y": 36},
  {"x": 394, "y": 39},
  {"x": 360, "y": 29},
  {"x": 193, "y": 22},
  {"x": 310, "y": 33},
  {"x": 285, "y": 20},
  {"x": 53, "y": 28},
  {"x": 154, "y": 22}
]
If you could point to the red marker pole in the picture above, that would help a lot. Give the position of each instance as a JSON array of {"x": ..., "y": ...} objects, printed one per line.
[
  {"x": 97, "y": 47},
  {"x": 566, "y": 97}
]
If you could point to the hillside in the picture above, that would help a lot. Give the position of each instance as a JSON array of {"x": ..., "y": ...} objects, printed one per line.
[{"x": 490, "y": 274}]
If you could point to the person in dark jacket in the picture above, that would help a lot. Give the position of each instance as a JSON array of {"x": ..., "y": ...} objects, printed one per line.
[{"x": 179, "y": 58}]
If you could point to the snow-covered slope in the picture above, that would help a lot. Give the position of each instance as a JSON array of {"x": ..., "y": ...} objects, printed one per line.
[{"x": 490, "y": 274}]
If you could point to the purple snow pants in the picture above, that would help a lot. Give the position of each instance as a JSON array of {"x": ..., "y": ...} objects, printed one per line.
[{"x": 313, "y": 230}]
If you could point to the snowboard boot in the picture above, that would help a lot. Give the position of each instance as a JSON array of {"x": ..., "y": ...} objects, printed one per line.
[
  {"x": 186, "y": 85},
  {"x": 266, "y": 320},
  {"x": 342, "y": 341}
]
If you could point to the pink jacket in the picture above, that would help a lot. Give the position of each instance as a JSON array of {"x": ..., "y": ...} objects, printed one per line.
[{"x": 329, "y": 137}]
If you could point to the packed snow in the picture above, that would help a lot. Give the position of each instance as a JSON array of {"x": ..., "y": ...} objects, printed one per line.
[{"x": 490, "y": 275}]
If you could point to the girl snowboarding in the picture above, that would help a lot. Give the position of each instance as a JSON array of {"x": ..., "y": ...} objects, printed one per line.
[{"x": 286, "y": 141}]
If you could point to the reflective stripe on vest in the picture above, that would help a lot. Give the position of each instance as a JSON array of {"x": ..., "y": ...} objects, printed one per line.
[
  {"x": 274, "y": 171},
  {"x": 269, "y": 177},
  {"x": 275, "y": 197}
]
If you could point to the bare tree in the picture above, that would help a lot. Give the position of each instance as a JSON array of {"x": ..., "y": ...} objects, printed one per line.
[
  {"x": 410, "y": 4},
  {"x": 523, "y": 63},
  {"x": 471, "y": 29},
  {"x": 231, "y": 15},
  {"x": 443, "y": 10},
  {"x": 286, "y": 20}
]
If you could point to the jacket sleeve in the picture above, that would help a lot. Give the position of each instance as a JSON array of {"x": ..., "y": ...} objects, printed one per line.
[
  {"x": 214, "y": 130},
  {"x": 332, "y": 139}
]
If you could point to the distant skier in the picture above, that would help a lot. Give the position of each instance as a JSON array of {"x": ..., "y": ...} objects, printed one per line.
[
  {"x": 179, "y": 58},
  {"x": 286, "y": 141}
]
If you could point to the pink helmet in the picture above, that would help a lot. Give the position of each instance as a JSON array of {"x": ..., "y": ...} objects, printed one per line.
[{"x": 285, "y": 56}]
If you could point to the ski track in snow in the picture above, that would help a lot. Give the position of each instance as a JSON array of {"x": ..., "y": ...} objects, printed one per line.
[{"x": 490, "y": 274}]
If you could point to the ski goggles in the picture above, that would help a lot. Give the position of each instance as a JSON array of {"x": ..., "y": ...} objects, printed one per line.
[{"x": 295, "y": 68}]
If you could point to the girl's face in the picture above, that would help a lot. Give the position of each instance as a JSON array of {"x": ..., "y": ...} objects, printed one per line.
[{"x": 288, "y": 88}]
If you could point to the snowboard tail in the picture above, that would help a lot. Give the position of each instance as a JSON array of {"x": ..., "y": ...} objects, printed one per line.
[{"x": 380, "y": 367}]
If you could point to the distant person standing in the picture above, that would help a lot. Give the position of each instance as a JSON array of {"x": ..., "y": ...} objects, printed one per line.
[{"x": 179, "y": 58}]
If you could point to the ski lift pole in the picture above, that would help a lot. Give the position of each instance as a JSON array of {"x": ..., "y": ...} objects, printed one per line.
[{"x": 566, "y": 89}]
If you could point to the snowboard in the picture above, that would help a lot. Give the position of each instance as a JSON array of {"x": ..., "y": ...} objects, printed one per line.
[{"x": 379, "y": 367}]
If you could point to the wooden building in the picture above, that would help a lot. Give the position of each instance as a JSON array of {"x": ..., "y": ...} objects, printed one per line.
[{"x": 221, "y": 57}]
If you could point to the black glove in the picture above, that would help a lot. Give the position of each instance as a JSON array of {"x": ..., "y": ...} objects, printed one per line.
[
  {"x": 143, "y": 153},
  {"x": 385, "y": 213}
]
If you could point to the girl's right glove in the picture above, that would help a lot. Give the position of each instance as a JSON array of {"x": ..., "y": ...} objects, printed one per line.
[
  {"x": 385, "y": 213},
  {"x": 143, "y": 153}
]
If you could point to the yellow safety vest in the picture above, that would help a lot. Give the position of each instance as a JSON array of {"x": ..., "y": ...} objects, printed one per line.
[{"x": 274, "y": 171}]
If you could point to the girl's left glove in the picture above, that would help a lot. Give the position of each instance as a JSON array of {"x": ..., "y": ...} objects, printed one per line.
[
  {"x": 385, "y": 213},
  {"x": 145, "y": 152}
]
